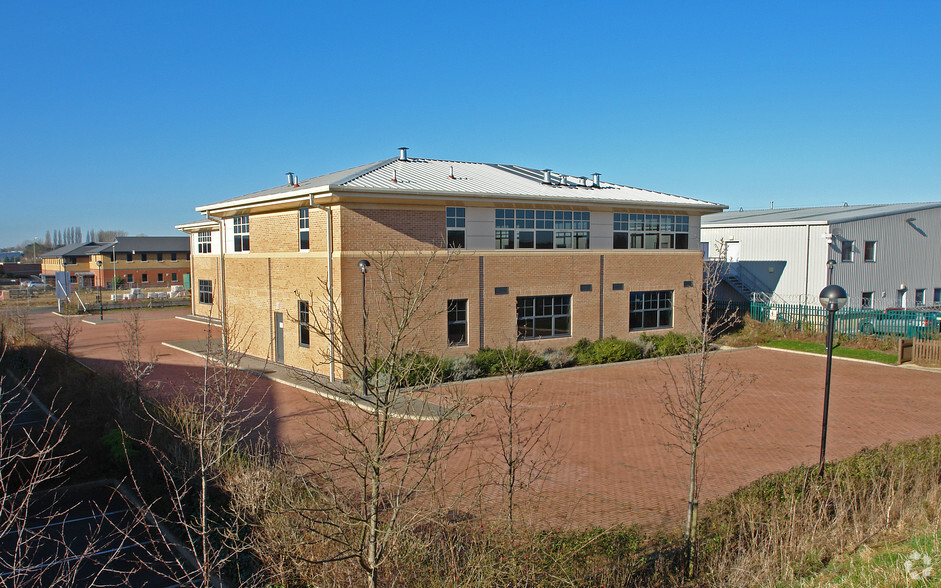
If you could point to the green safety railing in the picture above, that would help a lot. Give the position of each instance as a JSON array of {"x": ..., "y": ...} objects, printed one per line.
[{"x": 853, "y": 321}]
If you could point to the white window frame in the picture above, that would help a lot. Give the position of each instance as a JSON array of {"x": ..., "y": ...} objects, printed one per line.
[
  {"x": 204, "y": 242},
  {"x": 303, "y": 228},
  {"x": 240, "y": 234}
]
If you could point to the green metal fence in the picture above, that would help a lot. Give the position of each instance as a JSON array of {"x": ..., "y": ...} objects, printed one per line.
[{"x": 852, "y": 321}]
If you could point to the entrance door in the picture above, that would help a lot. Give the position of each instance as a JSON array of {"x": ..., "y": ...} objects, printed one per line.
[
  {"x": 279, "y": 337},
  {"x": 733, "y": 250}
]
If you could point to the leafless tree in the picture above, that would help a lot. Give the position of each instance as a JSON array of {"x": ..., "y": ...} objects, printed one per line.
[
  {"x": 64, "y": 333},
  {"x": 699, "y": 390},
  {"x": 195, "y": 438},
  {"x": 526, "y": 447},
  {"x": 391, "y": 426},
  {"x": 136, "y": 364}
]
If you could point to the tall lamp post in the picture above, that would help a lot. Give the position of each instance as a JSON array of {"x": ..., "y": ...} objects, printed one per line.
[
  {"x": 363, "y": 264},
  {"x": 101, "y": 308},
  {"x": 832, "y": 298},
  {"x": 831, "y": 263}
]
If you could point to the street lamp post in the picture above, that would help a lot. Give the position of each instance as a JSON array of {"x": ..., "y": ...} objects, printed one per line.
[
  {"x": 831, "y": 263},
  {"x": 363, "y": 264},
  {"x": 832, "y": 298},
  {"x": 101, "y": 308},
  {"x": 114, "y": 272}
]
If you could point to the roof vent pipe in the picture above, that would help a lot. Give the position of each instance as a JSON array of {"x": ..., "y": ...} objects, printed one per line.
[
  {"x": 292, "y": 179},
  {"x": 547, "y": 176},
  {"x": 451, "y": 171},
  {"x": 403, "y": 153},
  {"x": 596, "y": 180},
  {"x": 395, "y": 177}
]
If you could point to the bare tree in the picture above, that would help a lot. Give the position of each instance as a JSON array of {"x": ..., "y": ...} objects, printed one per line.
[
  {"x": 392, "y": 426},
  {"x": 699, "y": 390},
  {"x": 526, "y": 448},
  {"x": 64, "y": 333},
  {"x": 136, "y": 365}
]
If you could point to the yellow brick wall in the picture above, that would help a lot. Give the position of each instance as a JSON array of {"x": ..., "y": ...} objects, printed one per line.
[{"x": 390, "y": 227}]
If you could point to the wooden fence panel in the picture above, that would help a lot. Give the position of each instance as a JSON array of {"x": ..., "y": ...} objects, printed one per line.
[{"x": 927, "y": 352}]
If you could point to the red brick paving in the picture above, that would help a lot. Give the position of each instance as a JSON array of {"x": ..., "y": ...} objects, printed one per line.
[{"x": 613, "y": 464}]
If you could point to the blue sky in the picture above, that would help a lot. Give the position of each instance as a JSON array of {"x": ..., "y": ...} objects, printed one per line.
[{"x": 126, "y": 115}]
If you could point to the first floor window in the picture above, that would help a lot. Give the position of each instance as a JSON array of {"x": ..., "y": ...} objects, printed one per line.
[
  {"x": 143, "y": 257},
  {"x": 651, "y": 231},
  {"x": 920, "y": 297},
  {"x": 205, "y": 291},
  {"x": 240, "y": 230},
  {"x": 455, "y": 220},
  {"x": 869, "y": 251},
  {"x": 160, "y": 257},
  {"x": 457, "y": 322},
  {"x": 651, "y": 310},
  {"x": 303, "y": 320},
  {"x": 303, "y": 228},
  {"x": 203, "y": 242},
  {"x": 846, "y": 251},
  {"x": 173, "y": 257},
  {"x": 130, "y": 257},
  {"x": 538, "y": 317},
  {"x": 867, "y": 300}
]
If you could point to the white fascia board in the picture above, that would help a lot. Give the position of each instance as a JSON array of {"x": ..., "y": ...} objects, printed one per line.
[
  {"x": 291, "y": 196},
  {"x": 730, "y": 224},
  {"x": 196, "y": 226}
]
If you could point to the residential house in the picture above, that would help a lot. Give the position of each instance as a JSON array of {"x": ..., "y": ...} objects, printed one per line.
[
  {"x": 137, "y": 261},
  {"x": 542, "y": 258},
  {"x": 884, "y": 256}
]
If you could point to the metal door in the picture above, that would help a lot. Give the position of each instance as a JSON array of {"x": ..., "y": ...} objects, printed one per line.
[
  {"x": 279, "y": 337},
  {"x": 733, "y": 250}
]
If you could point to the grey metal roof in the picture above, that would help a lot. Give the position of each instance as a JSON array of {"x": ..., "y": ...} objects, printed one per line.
[
  {"x": 464, "y": 180},
  {"x": 122, "y": 245},
  {"x": 820, "y": 215}
]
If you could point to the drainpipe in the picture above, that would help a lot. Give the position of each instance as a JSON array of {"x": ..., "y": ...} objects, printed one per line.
[
  {"x": 225, "y": 334},
  {"x": 329, "y": 284}
]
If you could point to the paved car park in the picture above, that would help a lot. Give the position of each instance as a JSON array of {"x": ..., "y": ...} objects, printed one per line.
[{"x": 612, "y": 462}]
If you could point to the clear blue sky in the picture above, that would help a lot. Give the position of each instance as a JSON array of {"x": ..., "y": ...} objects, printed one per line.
[{"x": 126, "y": 115}]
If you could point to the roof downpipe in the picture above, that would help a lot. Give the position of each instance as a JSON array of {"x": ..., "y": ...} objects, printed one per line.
[{"x": 403, "y": 153}]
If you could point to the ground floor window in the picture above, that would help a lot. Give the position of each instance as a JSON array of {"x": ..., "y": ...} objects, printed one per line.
[
  {"x": 867, "y": 300},
  {"x": 937, "y": 295},
  {"x": 303, "y": 320},
  {"x": 205, "y": 291},
  {"x": 920, "y": 297},
  {"x": 543, "y": 316},
  {"x": 457, "y": 322},
  {"x": 129, "y": 278},
  {"x": 651, "y": 310},
  {"x": 172, "y": 277},
  {"x": 159, "y": 277},
  {"x": 143, "y": 278}
]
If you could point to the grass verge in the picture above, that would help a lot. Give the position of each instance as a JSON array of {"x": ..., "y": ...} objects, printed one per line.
[{"x": 809, "y": 347}]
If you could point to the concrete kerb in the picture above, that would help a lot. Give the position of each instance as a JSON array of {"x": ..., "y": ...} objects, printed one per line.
[
  {"x": 405, "y": 407},
  {"x": 869, "y": 361}
]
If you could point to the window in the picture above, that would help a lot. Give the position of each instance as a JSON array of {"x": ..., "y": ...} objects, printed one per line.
[
  {"x": 205, "y": 291},
  {"x": 203, "y": 242},
  {"x": 303, "y": 228},
  {"x": 651, "y": 231},
  {"x": 920, "y": 297},
  {"x": 129, "y": 278},
  {"x": 651, "y": 310},
  {"x": 159, "y": 277},
  {"x": 173, "y": 256},
  {"x": 143, "y": 278},
  {"x": 303, "y": 322},
  {"x": 867, "y": 300},
  {"x": 143, "y": 257},
  {"x": 846, "y": 252},
  {"x": 113, "y": 256},
  {"x": 130, "y": 257},
  {"x": 937, "y": 296},
  {"x": 869, "y": 251},
  {"x": 455, "y": 224},
  {"x": 538, "y": 317},
  {"x": 457, "y": 322},
  {"x": 541, "y": 229},
  {"x": 240, "y": 229},
  {"x": 173, "y": 277},
  {"x": 160, "y": 257}
]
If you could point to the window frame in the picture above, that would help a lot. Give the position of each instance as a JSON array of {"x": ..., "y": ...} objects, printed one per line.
[
  {"x": 920, "y": 296},
  {"x": 455, "y": 220},
  {"x": 130, "y": 257},
  {"x": 866, "y": 296},
  {"x": 204, "y": 242},
  {"x": 143, "y": 279},
  {"x": 937, "y": 296},
  {"x": 143, "y": 257},
  {"x": 457, "y": 322},
  {"x": 204, "y": 291},
  {"x": 303, "y": 323},
  {"x": 303, "y": 229},
  {"x": 846, "y": 251},
  {"x": 651, "y": 305},
  {"x": 635, "y": 230},
  {"x": 531, "y": 311},
  {"x": 240, "y": 234},
  {"x": 870, "y": 250},
  {"x": 541, "y": 228}
]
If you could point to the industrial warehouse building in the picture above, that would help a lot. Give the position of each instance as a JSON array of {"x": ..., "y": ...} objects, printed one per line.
[{"x": 534, "y": 256}]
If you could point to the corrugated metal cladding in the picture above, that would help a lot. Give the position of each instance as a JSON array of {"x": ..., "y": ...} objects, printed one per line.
[{"x": 907, "y": 253}]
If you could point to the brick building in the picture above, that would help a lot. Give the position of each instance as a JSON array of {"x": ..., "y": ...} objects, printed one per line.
[
  {"x": 534, "y": 256},
  {"x": 142, "y": 262}
]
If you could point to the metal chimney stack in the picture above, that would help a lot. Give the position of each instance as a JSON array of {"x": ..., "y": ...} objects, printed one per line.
[
  {"x": 292, "y": 179},
  {"x": 596, "y": 180},
  {"x": 547, "y": 176},
  {"x": 403, "y": 153}
]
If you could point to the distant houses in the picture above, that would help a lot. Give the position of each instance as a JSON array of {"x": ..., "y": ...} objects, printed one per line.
[
  {"x": 136, "y": 261},
  {"x": 884, "y": 256}
]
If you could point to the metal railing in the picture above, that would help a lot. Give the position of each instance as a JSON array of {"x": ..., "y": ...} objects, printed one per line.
[{"x": 920, "y": 324}]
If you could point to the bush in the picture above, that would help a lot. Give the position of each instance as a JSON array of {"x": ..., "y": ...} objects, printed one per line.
[
  {"x": 558, "y": 358},
  {"x": 665, "y": 345},
  {"x": 491, "y": 361},
  {"x": 464, "y": 368},
  {"x": 411, "y": 369},
  {"x": 607, "y": 350}
]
